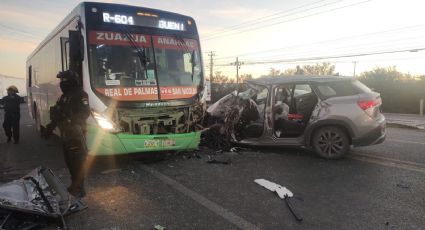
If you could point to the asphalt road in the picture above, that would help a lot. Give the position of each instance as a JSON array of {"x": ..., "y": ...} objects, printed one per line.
[{"x": 376, "y": 187}]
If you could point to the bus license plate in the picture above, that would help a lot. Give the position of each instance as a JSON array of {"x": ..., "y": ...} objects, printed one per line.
[{"x": 159, "y": 143}]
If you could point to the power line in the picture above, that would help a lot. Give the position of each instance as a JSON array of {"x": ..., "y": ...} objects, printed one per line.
[
  {"x": 281, "y": 22},
  {"x": 392, "y": 59},
  {"x": 260, "y": 19},
  {"x": 372, "y": 46},
  {"x": 331, "y": 56},
  {"x": 344, "y": 56},
  {"x": 325, "y": 41},
  {"x": 21, "y": 40},
  {"x": 336, "y": 62},
  {"x": 19, "y": 31},
  {"x": 255, "y": 22},
  {"x": 352, "y": 49}
]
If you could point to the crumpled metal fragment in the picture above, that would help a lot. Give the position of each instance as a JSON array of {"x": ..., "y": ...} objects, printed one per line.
[{"x": 39, "y": 193}]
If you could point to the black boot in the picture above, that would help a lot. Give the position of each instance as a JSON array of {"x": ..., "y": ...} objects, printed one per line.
[
  {"x": 78, "y": 192},
  {"x": 9, "y": 139}
]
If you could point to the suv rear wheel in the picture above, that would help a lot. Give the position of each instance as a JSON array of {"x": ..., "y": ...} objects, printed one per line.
[{"x": 331, "y": 142}]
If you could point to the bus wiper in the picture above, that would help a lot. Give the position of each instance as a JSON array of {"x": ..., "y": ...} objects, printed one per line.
[
  {"x": 193, "y": 62},
  {"x": 141, "y": 53},
  {"x": 142, "y": 57}
]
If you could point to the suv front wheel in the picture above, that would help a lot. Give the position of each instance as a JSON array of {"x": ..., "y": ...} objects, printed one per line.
[{"x": 331, "y": 142}]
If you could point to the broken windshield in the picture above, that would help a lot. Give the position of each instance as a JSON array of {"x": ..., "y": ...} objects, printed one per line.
[{"x": 172, "y": 66}]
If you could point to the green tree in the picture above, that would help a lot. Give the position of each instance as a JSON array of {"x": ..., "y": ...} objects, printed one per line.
[
  {"x": 324, "y": 68},
  {"x": 244, "y": 77},
  {"x": 382, "y": 74},
  {"x": 274, "y": 72},
  {"x": 220, "y": 78},
  {"x": 293, "y": 71},
  {"x": 400, "y": 92}
]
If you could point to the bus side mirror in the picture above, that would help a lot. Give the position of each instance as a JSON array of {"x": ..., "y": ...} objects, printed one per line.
[{"x": 76, "y": 46}]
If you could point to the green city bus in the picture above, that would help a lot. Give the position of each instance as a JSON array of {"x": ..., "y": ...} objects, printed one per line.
[{"x": 142, "y": 69}]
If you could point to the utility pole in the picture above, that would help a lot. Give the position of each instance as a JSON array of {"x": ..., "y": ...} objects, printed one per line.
[
  {"x": 238, "y": 66},
  {"x": 354, "y": 72},
  {"x": 211, "y": 55}
]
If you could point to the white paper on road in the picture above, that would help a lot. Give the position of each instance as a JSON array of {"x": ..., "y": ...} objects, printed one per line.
[{"x": 280, "y": 190}]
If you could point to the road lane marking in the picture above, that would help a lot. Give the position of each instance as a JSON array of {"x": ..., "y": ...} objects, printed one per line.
[
  {"x": 408, "y": 142},
  {"x": 407, "y": 165},
  {"x": 214, "y": 207},
  {"x": 420, "y": 165}
]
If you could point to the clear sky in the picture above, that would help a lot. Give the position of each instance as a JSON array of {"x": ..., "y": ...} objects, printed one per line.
[{"x": 281, "y": 31}]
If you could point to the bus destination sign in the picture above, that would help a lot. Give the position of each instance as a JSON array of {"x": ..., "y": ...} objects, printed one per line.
[
  {"x": 118, "y": 19},
  {"x": 143, "y": 21}
]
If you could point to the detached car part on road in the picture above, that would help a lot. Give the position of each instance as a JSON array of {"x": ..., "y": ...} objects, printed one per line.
[
  {"x": 29, "y": 202},
  {"x": 327, "y": 114}
]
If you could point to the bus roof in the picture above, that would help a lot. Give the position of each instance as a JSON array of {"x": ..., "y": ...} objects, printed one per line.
[
  {"x": 117, "y": 5},
  {"x": 78, "y": 10}
]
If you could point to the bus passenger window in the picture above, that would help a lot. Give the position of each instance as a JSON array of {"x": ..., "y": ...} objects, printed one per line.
[
  {"x": 29, "y": 76},
  {"x": 65, "y": 53}
]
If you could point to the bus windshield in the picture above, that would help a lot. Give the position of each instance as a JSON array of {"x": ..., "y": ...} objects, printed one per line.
[{"x": 136, "y": 68}]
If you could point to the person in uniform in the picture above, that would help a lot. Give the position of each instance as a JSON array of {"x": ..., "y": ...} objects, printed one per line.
[
  {"x": 12, "y": 115},
  {"x": 69, "y": 115}
]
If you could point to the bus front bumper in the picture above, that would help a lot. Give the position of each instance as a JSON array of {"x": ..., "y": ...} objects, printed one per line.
[{"x": 100, "y": 142}]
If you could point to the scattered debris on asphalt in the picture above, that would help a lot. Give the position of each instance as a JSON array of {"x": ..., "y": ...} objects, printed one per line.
[
  {"x": 35, "y": 200},
  {"x": 109, "y": 171},
  {"x": 282, "y": 192},
  {"x": 212, "y": 160},
  {"x": 238, "y": 149},
  {"x": 235, "y": 149},
  {"x": 193, "y": 155},
  {"x": 196, "y": 155},
  {"x": 159, "y": 227},
  {"x": 189, "y": 154},
  {"x": 404, "y": 186}
]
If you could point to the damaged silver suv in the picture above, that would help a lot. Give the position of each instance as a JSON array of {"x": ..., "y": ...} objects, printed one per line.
[{"x": 327, "y": 114}]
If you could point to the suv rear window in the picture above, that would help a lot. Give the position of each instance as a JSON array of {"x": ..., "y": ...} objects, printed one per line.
[{"x": 341, "y": 88}]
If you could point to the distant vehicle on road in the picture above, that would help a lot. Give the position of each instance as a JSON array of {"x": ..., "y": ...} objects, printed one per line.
[
  {"x": 328, "y": 114},
  {"x": 141, "y": 68}
]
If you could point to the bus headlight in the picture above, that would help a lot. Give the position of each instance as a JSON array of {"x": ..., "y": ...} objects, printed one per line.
[{"x": 104, "y": 123}]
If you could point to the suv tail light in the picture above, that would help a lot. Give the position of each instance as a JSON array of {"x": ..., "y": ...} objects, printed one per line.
[
  {"x": 370, "y": 107},
  {"x": 366, "y": 104}
]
